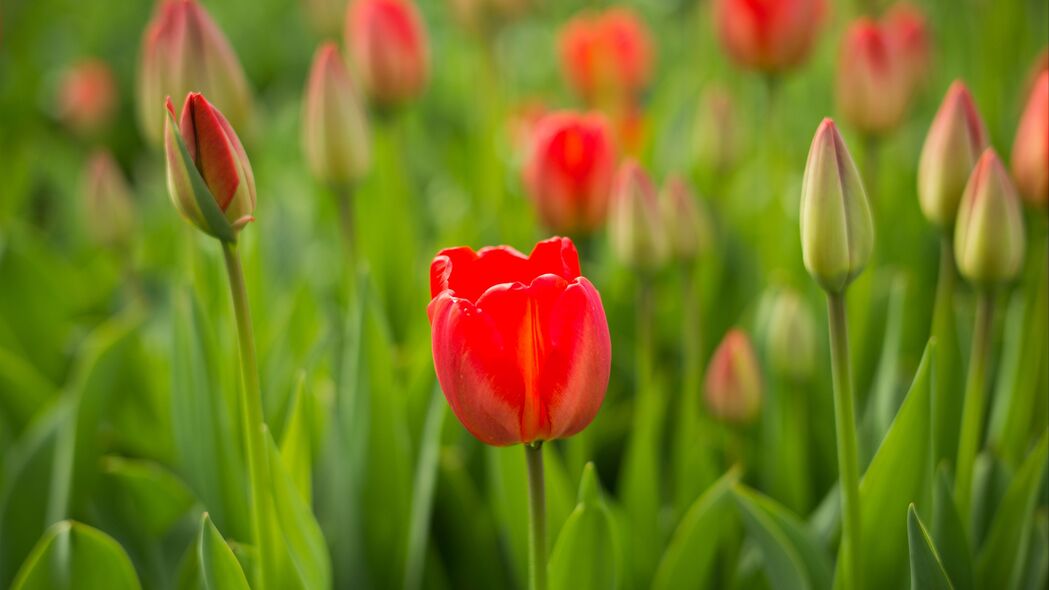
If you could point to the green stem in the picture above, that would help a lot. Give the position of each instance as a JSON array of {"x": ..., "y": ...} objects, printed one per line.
[
  {"x": 252, "y": 420},
  {"x": 347, "y": 225},
  {"x": 644, "y": 333},
  {"x": 845, "y": 429},
  {"x": 945, "y": 416},
  {"x": 536, "y": 517},
  {"x": 871, "y": 163},
  {"x": 943, "y": 310},
  {"x": 975, "y": 400}
]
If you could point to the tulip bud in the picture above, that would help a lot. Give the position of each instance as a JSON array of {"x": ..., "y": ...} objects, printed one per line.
[
  {"x": 789, "y": 335},
  {"x": 717, "y": 136},
  {"x": 325, "y": 16},
  {"x": 606, "y": 58},
  {"x": 1031, "y": 146},
  {"x": 486, "y": 16},
  {"x": 687, "y": 226},
  {"x": 569, "y": 174},
  {"x": 771, "y": 36},
  {"x": 209, "y": 175},
  {"x": 87, "y": 96},
  {"x": 108, "y": 202},
  {"x": 873, "y": 82},
  {"x": 909, "y": 31},
  {"x": 388, "y": 49},
  {"x": 635, "y": 224},
  {"x": 955, "y": 140},
  {"x": 184, "y": 51},
  {"x": 733, "y": 381},
  {"x": 837, "y": 233},
  {"x": 989, "y": 236},
  {"x": 335, "y": 129}
]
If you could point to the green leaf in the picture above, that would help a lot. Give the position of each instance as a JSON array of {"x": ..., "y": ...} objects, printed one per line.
[
  {"x": 639, "y": 482},
  {"x": 23, "y": 390},
  {"x": 73, "y": 555},
  {"x": 219, "y": 568},
  {"x": 689, "y": 556},
  {"x": 587, "y": 553},
  {"x": 927, "y": 571},
  {"x": 423, "y": 492},
  {"x": 885, "y": 391},
  {"x": 793, "y": 558},
  {"x": 149, "y": 496},
  {"x": 949, "y": 534},
  {"x": 295, "y": 446}
]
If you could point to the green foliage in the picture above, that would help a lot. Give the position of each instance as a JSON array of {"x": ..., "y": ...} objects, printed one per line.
[
  {"x": 218, "y": 567},
  {"x": 73, "y": 555},
  {"x": 927, "y": 572},
  {"x": 588, "y": 554}
]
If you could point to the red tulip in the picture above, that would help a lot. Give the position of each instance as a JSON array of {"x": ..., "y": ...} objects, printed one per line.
[
  {"x": 388, "y": 49},
  {"x": 520, "y": 343},
  {"x": 733, "y": 383},
  {"x": 768, "y": 35},
  {"x": 87, "y": 96},
  {"x": 1031, "y": 146},
  {"x": 569, "y": 173},
  {"x": 606, "y": 58},
  {"x": 908, "y": 28},
  {"x": 873, "y": 82}
]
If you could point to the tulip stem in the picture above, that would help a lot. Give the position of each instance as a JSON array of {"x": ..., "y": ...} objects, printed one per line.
[
  {"x": 973, "y": 406},
  {"x": 845, "y": 429},
  {"x": 871, "y": 163},
  {"x": 537, "y": 517},
  {"x": 644, "y": 333},
  {"x": 253, "y": 423},
  {"x": 944, "y": 429}
]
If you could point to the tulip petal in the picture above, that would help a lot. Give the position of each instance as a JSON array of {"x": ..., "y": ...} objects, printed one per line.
[{"x": 469, "y": 274}]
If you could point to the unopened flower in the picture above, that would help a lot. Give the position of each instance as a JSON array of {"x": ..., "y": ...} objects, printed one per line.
[
  {"x": 1030, "y": 157},
  {"x": 325, "y": 16},
  {"x": 388, "y": 48},
  {"x": 87, "y": 96},
  {"x": 687, "y": 226},
  {"x": 733, "y": 380},
  {"x": 909, "y": 30},
  {"x": 789, "y": 332},
  {"x": 607, "y": 57},
  {"x": 107, "y": 201},
  {"x": 770, "y": 35},
  {"x": 635, "y": 221},
  {"x": 335, "y": 128},
  {"x": 874, "y": 82},
  {"x": 717, "y": 134},
  {"x": 989, "y": 235}
]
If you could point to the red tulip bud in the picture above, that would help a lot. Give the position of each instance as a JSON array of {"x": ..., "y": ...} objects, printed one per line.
[
  {"x": 388, "y": 49},
  {"x": 768, "y": 35},
  {"x": 635, "y": 223},
  {"x": 107, "y": 198},
  {"x": 907, "y": 27},
  {"x": 687, "y": 225},
  {"x": 209, "y": 175},
  {"x": 569, "y": 174},
  {"x": 606, "y": 58},
  {"x": 989, "y": 234},
  {"x": 520, "y": 343},
  {"x": 87, "y": 96},
  {"x": 733, "y": 382},
  {"x": 184, "y": 51},
  {"x": 873, "y": 80},
  {"x": 335, "y": 129},
  {"x": 1031, "y": 146}
]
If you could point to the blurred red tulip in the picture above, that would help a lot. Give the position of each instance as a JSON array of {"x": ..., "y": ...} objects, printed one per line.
[
  {"x": 569, "y": 173},
  {"x": 107, "y": 198},
  {"x": 635, "y": 221},
  {"x": 607, "y": 57},
  {"x": 388, "y": 49},
  {"x": 768, "y": 35},
  {"x": 334, "y": 128},
  {"x": 733, "y": 383},
  {"x": 873, "y": 80},
  {"x": 1031, "y": 146},
  {"x": 87, "y": 96},
  {"x": 520, "y": 343},
  {"x": 910, "y": 32},
  {"x": 184, "y": 51}
]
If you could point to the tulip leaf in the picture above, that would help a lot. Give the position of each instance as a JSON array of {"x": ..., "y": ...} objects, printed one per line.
[
  {"x": 219, "y": 568},
  {"x": 73, "y": 555},
  {"x": 216, "y": 222},
  {"x": 295, "y": 446},
  {"x": 23, "y": 390},
  {"x": 949, "y": 535},
  {"x": 149, "y": 496},
  {"x": 883, "y": 401},
  {"x": 423, "y": 492},
  {"x": 689, "y": 556},
  {"x": 639, "y": 482},
  {"x": 927, "y": 572},
  {"x": 587, "y": 553}
]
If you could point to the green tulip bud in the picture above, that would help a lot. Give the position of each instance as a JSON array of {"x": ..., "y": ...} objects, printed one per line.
[
  {"x": 989, "y": 233},
  {"x": 635, "y": 225},
  {"x": 788, "y": 334}
]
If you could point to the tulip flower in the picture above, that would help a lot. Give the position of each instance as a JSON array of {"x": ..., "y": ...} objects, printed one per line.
[
  {"x": 569, "y": 173},
  {"x": 908, "y": 29},
  {"x": 209, "y": 175},
  {"x": 989, "y": 235},
  {"x": 771, "y": 36},
  {"x": 87, "y": 96},
  {"x": 685, "y": 222},
  {"x": 635, "y": 223},
  {"x": 108, "y": 202},
  {"x": 520, "y": 343},
  {"x": 733, "y": 381},
  {"x": 837, "y": 233},
  {"x": 1031, "y": 146},
  {"x": 607, "y": 57},
  {"x": 874, "y": 81},
  {"x": 388, "y": 49},
  {"x": 716, "y": 132},
  {"x": 183, "y": 51},
  {"x": 955, "y": 140},
  {"x": 335, "y": 129}
]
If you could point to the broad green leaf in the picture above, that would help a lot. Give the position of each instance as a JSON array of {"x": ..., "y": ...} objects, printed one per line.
[
  {"x": 295, "y": 446},
  {"x": 423, "y": 492},
  {"x": 999, "y": 563},
  {"x": 949, "y": 535},
  {"x": 148, "y": 495},
  {"x": 219, "y": 568},
  {"x": 927, "y": 571},
  {"x": 793, "y": 559},
  {"x": 587, "y": 553},
  {"x": 689, "y": 556},
  {"x": 75, "y": 556},
  {"x": 23, "y": 390},
  {"x": 639, "y": 482}
]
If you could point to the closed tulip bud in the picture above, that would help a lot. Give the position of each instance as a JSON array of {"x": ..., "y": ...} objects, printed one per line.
[
  {"x": 771, "y": 36},
  {"x": 569, "y": 173},
  {"x": 837, "y": 233},
  {"x": 335, "y": 129},
  {"x": 989, "y": 236},
  {"x": 388, "y": 49},
  {"x": 184, "y": 51},
  {"x": 733, "y": 381},
  {"x": 635, "y": 221},
  {"x": 873, "y": 81},
  {"x": 87, "y": 96},
  {"x": 789, "y": 332},
  {"x": 909, "y": 30},
  {"x": 108, "y": 202},
  {"x": 485, "y": 16},
  {"x": 520, "y": 343},
  {"x": 325, "y": 16},
  {"x": 209, "y": 175},
  {"x": 1031, "y": 146},
  {"x": 606, "y": 58},
  {"x": 687, "y": 226},
  {"x": 717, "y": 136},
  {"x": 955, "y": 140}
]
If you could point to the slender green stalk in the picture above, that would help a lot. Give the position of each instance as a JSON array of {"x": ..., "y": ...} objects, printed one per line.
[
  {"x": 691, "y": 333},
  {"x": 537, "y": 579},
  {"x": 943, "y": 309},
  {"x": 252, "y": 421},
  {"x": 871, "y": 164},
  {"x": 845, "y": 429},
  {"x": 975, "y": 401},
  {"x": 645, "y": 342},
  {"x": 945, "y": 414}
]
